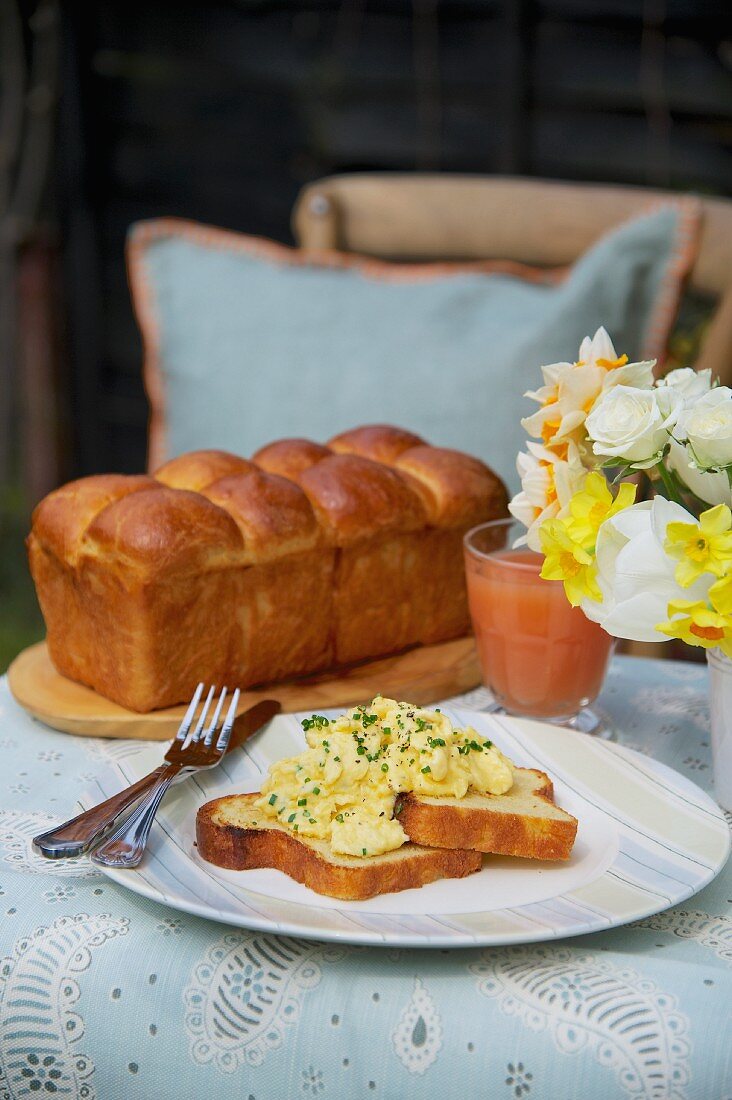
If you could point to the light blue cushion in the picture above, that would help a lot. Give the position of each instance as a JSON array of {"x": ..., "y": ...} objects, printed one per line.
[{"x": 250, "y": 347}]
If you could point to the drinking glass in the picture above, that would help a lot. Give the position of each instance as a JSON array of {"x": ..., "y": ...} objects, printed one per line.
[{"x": 540, "y": 657}]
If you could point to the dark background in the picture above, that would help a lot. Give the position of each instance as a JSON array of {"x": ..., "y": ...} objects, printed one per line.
[{"x": 111, "y": 112}]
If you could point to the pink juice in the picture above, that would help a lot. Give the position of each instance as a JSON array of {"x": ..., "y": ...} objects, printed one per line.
[{"x": 540, "y": 656}]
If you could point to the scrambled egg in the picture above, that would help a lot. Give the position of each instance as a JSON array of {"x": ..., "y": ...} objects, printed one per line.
[{"x": 343, "y": 788}]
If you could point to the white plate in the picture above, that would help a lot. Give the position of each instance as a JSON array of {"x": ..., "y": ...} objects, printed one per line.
[{"x": 648, "y": 839}]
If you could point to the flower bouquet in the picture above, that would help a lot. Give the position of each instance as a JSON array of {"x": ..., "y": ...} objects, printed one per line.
[{"x": 645, "y": 570}]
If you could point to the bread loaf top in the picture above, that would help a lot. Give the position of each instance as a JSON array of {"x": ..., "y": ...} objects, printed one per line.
[{"x": 212, "y": 510}]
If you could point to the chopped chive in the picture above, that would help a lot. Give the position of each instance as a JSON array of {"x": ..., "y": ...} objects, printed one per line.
[
  {"x": 426, "y": 769},
  {"x": 384, "y": 767},
  {"x": 302, "y": 801},
  {"x": 291, "y": 818},
  {"x": 339, "y": 817},
  {"x": 272, "y": 799}
]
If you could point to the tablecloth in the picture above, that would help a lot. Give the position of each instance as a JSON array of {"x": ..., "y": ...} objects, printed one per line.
[{"x": 104, "y": 994}]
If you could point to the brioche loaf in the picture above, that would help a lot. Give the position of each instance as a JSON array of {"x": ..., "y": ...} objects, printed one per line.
[{"x": 237, "y": 571}]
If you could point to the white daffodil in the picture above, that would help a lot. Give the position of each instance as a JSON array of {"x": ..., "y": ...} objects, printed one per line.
[
  {"x": 636, "y": 575},
  {"x": 548, "y": 483},
  {"x": 707, "y": 427},
  {"x": 571, "y": 390},
  {"x": 633, "y": 425}
]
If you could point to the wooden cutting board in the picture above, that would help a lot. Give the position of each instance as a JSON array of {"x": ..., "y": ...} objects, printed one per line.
[{"x": 421, "y": 675}]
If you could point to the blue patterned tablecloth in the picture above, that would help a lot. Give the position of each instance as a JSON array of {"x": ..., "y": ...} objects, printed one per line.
[{"x": 106, "y": 995}]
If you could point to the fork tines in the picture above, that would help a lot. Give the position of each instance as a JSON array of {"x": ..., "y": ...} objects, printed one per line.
[{"x": 200, "y": 734}]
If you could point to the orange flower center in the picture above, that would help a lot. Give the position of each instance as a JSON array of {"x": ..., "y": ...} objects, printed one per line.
[
  {"x": 611, "y": 364},
  {"x": 548, "y": 429},
  {"x": 569, "y": 565},
  {"x": 551, "y": 489},
  {"x": 709, "y": 633}
]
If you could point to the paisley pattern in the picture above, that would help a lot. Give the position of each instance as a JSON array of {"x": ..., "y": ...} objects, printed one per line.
[
  {"x": 39, "y": 1027},
  {"x": 586, "y": 1003},
  {"x": 17, "y": 830},
  {"x": 244, "y": 994},
  {"x": 714, "y": 932},
  {"x": 417, "y": 1038}
]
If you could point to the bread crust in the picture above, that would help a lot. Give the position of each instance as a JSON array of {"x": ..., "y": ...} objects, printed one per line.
[
  {"x": 380, "y": 442},
  {"x": 272, "y": 513},
  {"x": 446, "y": 823},
  {"x": 241, "y": 849},
  {"x": 290, "y": 457},
  {"x": 199, "y": 469}
]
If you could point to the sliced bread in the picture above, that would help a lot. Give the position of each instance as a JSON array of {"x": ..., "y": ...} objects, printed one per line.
[
  {"x": 523, "y": 822},
  {"x": 231, "y": 833}
]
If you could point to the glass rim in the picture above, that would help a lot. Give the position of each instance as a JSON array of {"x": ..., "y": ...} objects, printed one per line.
[{"x": 493, "y": 555}]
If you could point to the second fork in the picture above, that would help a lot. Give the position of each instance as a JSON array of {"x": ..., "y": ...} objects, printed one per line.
[{"x": 125, "y": 845}]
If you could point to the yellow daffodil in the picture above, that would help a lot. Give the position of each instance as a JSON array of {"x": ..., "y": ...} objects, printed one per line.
[
  {"x": 705, "y": 547},
  {"x": 698, "y": 624},
  {"x": 590, "y": 507},
  {"x": 707, "y": 624},
  {"x": 565, "y": 560},
  {"x": 720, "y": 595}
]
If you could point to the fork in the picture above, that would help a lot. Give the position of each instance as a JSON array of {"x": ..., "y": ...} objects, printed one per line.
[{"x": 190, "y": 752}]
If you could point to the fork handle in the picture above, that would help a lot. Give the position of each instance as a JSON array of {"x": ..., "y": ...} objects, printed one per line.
[
  {"x": 125, "y": 845},
  {"x": 76, "y": 836}
]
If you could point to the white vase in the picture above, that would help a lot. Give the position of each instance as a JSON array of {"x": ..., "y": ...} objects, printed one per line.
[{"x": 720, "y": 698}]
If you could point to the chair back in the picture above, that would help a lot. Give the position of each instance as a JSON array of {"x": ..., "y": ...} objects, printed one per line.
[{"x": 543, "y": 222}]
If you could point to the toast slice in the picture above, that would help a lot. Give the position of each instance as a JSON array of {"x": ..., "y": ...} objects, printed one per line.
[
  {"x": 523, "y": 822},
  {"x": 227, "y": 835}
]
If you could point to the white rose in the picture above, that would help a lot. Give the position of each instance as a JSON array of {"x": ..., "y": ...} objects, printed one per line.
[
  {"x": 709, "y": 487},
  {"x": 636, "y": 575},
  {"x": 707, "y": 425},
  {"x": 689, "y": 383},
  {"x": 633, "y": 424}
]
